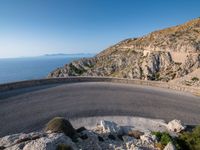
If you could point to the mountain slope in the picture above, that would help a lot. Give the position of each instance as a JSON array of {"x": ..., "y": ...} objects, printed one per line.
[{"x": 161, "y": 55}]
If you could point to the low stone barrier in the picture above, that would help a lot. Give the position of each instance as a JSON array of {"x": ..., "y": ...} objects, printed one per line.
[{"x": 39, "y": 82}]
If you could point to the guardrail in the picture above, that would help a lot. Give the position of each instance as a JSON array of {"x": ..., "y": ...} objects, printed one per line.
[{"x": 30, "y": 83}]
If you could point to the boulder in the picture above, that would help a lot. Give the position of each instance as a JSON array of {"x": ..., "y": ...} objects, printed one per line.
[
  {"x": 60, "y": 125},
  {"x": 135, "y": 133},
  {"x": 91, "y": 142},
  {"x": 16, "y": 147},
  {"x": 51, "y": 142},
  {"x": 9, "y": 140},
  {"x": 129, "y": 139},
  {"x": 131, "y": 146},
  {"x": 131, "y": 143},
  {"x": 169, "y": 146},
  {"x": 175, "y": 126},
  {"x": 148, "y": 138},
  {"x": 19, "y": 139},
  {"x": 110, "y": 127}
]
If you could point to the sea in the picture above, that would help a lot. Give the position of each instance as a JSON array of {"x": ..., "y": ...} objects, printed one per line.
[{"x": 28, "y": 68}]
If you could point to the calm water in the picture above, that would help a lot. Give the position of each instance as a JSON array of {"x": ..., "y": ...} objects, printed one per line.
[{"x": 17, "y": 69}]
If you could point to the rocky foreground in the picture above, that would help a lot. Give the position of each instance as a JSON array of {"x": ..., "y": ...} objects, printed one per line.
[
  {"x": 106, "y": 135},
  {"x": 164, "y": 55}
]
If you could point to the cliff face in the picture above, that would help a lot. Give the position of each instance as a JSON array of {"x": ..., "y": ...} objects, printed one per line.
[{"x": 161, "y": 55}]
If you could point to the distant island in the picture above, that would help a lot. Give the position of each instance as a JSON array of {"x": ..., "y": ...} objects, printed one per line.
[{"x": 70, "y": 55}]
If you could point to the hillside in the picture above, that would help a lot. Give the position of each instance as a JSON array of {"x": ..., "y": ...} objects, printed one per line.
[{"x": 162, "y": 55}]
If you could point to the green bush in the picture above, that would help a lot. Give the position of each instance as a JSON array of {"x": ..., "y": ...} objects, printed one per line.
[
  {"x": 185, "y": 141},
  {"x": 78, "y": 71},
  {"x": 195, "y": 79},
  {"x": 163, "y": 138},
  {"x": 59, "y": 124},
  {"x": 191, "y": 140}
]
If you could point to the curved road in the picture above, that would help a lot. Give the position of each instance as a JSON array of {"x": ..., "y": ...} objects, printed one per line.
[{"x": 29, "y": 109}]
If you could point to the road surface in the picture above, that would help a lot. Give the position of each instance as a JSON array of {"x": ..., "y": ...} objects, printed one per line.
[{"x": 29, "y": 109}]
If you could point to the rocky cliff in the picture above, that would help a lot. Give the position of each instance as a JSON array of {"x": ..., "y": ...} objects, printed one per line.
[{"x": 161, "y": 55}]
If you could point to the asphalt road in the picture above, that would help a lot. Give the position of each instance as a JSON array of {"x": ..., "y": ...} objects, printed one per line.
[{"x": 29, "y": 109}]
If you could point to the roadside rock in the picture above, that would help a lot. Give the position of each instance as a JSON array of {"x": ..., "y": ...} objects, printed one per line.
[
  {"x": 18, "y": 139},
  {"x": 59, "y": 125},
  {"x": 106, "y": 135},
  {"x": 169, "y": 146},
  {"x": 110, "y": 127},
  {"x": 148, "y": 139},
  {"x": 50, "y": 142},
  {"x": 175, "y": 126},
  {"x": 91, "y": 142},
  {"x": 127, "y": 138},
  {"x": 135, "y": 133}
]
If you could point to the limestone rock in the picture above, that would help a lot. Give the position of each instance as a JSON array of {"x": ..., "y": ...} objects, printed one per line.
[
  {"x": 129, "y": 139},
  {"x": 110, "y": 127},
  {"x": 169, "y": 146},
  {"x": 50, "y": 142},
  {"x": 106, "y": 135},
  {"x": 148, "y": 138},
  {"x": 92, "y": 142},
  {"x": 9, "y": 140},
  {"x": 135, "y": 133},
  {"x": 19, "y": 139},
  {"x": 175, "y": 126}
]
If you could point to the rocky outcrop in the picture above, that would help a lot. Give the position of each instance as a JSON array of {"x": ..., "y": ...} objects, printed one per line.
[
  {"x": 105, "y": 135},
  {"x": 169, "y": 146},
  {"x": 161, "y": 55},
  {"x": 175, "y": 126}
]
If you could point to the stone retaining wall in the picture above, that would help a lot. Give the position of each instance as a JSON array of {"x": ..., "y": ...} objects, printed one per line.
[{"x": 30, "y": 83}]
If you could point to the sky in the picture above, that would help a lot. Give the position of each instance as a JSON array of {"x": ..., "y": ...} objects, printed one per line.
[{"x": 37, "y": 27}]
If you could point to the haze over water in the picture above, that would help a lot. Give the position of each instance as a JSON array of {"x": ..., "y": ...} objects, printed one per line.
[{"x": 18, "y": 69}]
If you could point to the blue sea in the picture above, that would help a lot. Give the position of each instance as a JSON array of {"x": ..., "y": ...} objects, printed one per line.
[{"x": 19, "y": 69}]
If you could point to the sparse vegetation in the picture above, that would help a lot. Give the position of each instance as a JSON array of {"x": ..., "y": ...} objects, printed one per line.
[
  {"x": 59, "y": 124},
  {"x": 195, "y": 79},
  {"x": 178, "y": 63},
  {"x": 156, "y": 76},
  {"x": 188, "y": 83},
  {"x": 163, "y": 138},
  {"x": 185, "y": 141},
  {"x": 190, "y": 140},
  {"x": 78, "y": 71}
]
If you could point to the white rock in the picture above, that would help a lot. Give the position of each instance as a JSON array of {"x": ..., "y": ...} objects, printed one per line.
[
  {"x": 50, "y": 142},
  {"x": 130, "y": 142},
  {"x": 175, "y": 126},
  {"x": 148, "y": 138},
  {"x": 110, "y": 127},
  {"x": 169, "y": 146},
  {"x": 11, "y": 140},
  {"x": 127, "y": 138},
  {"x": 91, "y": 142},
  {"x": 16, "y": 146}
]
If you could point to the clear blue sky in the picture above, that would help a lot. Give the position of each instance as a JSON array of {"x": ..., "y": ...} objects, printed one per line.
[{"x": 36, "y": 27}]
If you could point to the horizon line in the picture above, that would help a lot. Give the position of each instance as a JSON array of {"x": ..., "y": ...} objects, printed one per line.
[{"x": 48, "y": 55}]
